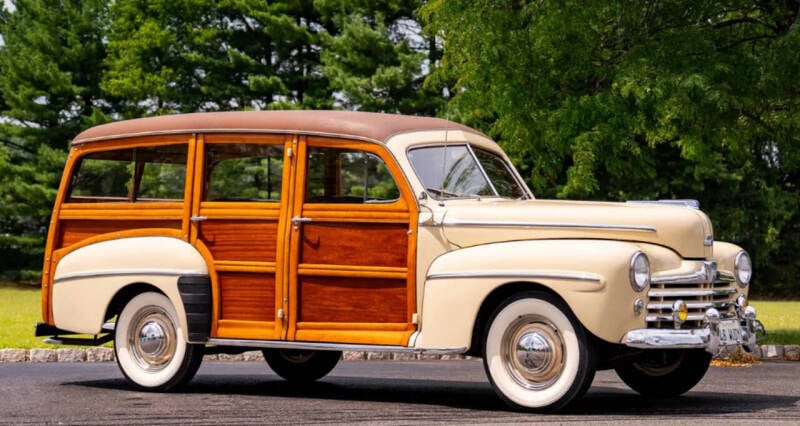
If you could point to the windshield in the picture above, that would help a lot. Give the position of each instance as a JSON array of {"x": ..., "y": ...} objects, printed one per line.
[{"x": 464, "y": 171}]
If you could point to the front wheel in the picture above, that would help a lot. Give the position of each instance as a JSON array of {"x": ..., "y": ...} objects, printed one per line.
[
  {"x": 302, "y": 366},
  {"x": 150, "y": 345},
  {"x": 536, "y": 354},
  {"x": 664, "y": 372}
]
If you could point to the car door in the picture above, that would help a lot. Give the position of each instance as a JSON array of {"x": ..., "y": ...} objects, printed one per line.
[
  {"x": 240, "y": 200},
  {"x": 352, "y": 244}
]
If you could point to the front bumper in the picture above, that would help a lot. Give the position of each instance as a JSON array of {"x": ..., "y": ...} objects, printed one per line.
[{"x": 708, "y": 337}]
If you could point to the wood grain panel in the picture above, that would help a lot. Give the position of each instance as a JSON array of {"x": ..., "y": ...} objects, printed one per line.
[
  {"x": 247, "y": 297},
  {"x": 360, "y": 300},
  {"x": 240, "y": 240},
  {"x": 74, "y": 231},
  {"x": 364, "y": 244}
]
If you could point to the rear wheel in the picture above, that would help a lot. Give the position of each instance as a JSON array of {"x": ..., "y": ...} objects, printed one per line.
[
  {"x": 150, "y": 345},
  {"x": 536, "y": 354},
  {"x": 301, "y": 366},
  {"x": 664, "y": 372}
]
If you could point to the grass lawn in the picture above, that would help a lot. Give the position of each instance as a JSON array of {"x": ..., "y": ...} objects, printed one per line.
[
  {"x": 20, "y": 309},
  {"x": 782, "y": 321}
]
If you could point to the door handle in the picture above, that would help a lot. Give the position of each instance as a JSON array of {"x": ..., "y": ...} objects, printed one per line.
[
  {"x": 297, "y": 220},
  {"x": 197, "y": 219}
]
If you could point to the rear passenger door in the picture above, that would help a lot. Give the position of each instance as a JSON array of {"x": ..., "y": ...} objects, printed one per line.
[
  {"x": 352, "y": 244},
  {"x": 236, "y": 223}
]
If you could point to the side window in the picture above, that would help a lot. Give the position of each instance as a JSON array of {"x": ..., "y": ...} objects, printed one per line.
[
  {"x": 501, "y": 176},
  {"x": 145, "y": 174},
  {"x": 347, "y": 176},
  {"x": 243, "y": 172}
]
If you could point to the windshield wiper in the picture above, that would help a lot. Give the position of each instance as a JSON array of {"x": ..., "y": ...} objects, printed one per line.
[{"x": 443, "y": 193}]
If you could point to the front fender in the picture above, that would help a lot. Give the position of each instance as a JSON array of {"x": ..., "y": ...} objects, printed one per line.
[
  {"x": 591, "y": 276},
  {"x": 86, "y": 279}
]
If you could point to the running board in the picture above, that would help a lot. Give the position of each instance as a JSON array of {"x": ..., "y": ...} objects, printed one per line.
[
  {"x": 59, "y": 339},
  {"x": 87, "y": 341},
  {"x": 319, "y": 346}
]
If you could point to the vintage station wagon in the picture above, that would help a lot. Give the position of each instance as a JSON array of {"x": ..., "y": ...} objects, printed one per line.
[{"x": 307, "y": 233}]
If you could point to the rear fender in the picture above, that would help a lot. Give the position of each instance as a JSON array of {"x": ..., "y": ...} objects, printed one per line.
[{"x": 87, "y": 279}]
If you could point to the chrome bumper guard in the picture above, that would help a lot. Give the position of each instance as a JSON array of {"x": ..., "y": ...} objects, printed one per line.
[{"x": 707, "y": 337}]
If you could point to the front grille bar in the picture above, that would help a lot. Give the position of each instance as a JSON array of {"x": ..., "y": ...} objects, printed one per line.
[
  {"x": 724, "y": 304},
  {"x": 690, "y": 317},
  {"x": 682, "y": 292}
]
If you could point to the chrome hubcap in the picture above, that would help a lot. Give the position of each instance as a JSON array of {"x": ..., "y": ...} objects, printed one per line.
[
  {"x": 533, "y": 352},
  {"x": 152, "y": 339}
]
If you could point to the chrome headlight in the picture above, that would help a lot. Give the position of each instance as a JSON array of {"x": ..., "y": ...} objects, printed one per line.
[
  {"x": 640, "y": 271},
  {"x": 743, "y": 269}
]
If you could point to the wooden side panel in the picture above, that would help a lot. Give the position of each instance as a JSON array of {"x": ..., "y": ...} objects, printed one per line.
[
  {"x": 247, "y": 297},
  {"x": 74, "y": 231},
  {"x": 353, "y": 300},
  {"x": 373, "y": 244},
  {"x": 241, "y": 240}
]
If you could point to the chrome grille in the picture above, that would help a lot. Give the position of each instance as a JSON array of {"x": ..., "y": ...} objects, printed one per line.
[{"x": 706, "y": 288}]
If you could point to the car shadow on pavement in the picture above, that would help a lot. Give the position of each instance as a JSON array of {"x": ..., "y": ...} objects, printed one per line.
[{"x": 471, "y": 395}]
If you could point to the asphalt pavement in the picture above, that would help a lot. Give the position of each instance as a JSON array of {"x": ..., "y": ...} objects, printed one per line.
[{"x": 376, "y": 392}]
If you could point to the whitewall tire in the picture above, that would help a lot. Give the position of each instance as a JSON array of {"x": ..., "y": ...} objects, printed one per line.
[
  {"x": 150, "y": 345},
  {"x": 536, "y": 354}
]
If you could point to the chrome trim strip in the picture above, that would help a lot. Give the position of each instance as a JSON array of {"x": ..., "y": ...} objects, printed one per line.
[
  {"x": 125, "y": 272},
  {"x": 704, "y": 275},
  {"x": 283, "y": 344},
  {"x": 681, "y": 292},
  {"x": 516, "y": 274},
  {"x": 686, "y": 202},
  {"x": 502, "y": 224}
]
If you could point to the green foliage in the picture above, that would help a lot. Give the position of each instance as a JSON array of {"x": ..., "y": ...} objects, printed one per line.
[
  {"x": 49, "y": 75},
  {"x": 190, "y": 55},
  {"x": 642, "y": 99},
  {"x": 375, "y": 58}
]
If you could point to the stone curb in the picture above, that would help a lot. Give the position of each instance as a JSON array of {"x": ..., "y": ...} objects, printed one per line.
[{"x": 103, "y": 354}]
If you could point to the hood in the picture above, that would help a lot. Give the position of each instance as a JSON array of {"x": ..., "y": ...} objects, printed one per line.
[{"x": 683, "y": 229}]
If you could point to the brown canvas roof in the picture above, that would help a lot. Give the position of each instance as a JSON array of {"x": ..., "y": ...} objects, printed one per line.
[{"x": 359, "y": 125}]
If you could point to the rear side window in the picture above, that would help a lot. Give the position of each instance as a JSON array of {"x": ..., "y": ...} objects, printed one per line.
[{"x": 146, "y": 174}]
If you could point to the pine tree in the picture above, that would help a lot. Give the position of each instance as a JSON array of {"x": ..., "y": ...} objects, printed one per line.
[{"x": 49, "y": 86}]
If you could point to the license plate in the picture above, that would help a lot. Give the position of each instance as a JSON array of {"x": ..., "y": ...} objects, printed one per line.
[{"x": 730, "y": 332}]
